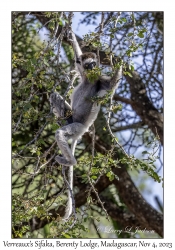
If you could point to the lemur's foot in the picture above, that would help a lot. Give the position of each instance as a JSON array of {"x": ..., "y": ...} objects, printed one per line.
[{"x": 65, "y": 162}]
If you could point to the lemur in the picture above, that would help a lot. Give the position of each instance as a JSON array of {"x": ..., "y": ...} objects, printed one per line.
[{"x": 84, "y": 110}]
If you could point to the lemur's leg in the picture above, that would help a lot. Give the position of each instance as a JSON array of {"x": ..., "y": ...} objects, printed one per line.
[
  {"x": 59, "y": 105},
  {"x": 72, "y": 131}
]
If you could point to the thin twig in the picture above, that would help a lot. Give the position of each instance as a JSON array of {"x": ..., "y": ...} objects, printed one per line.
[
  {"x": 48, "y": 151},
  {"x": 70, "y": 86},
  {"x": 100, "y": 32},
  {"x": 109, "y": 128},
  {"x": 44, "y": 164},
  {"x": 89, "y": 173}
]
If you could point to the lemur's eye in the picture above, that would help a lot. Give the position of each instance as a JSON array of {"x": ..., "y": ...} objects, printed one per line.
[
  {"x": 78, "y": 61},
  {"x": 90, "y": 65}
]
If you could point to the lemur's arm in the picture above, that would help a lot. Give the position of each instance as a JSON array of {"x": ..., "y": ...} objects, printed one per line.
[
  {"x": 77, "y": 53},
  {"x": 76, "y": 46},
  {"x": 116, "y": 78},
  {"x": 110, "y": 83}
]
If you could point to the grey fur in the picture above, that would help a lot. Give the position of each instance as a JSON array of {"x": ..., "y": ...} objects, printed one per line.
[
  {"x": 58, "y": 105},
  {"x": 84, "y": 110}
]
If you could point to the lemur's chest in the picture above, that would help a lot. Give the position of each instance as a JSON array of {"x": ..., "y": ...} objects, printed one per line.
[
  {"x": 84, "y": 109},
  {"x": 83, "y": 93}
]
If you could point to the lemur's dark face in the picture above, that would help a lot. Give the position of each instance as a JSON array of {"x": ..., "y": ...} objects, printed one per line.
[{"x": 88, "y": 60}]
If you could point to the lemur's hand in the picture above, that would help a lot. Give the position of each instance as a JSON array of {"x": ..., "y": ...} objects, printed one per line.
[{"x": 69, "y": 36}]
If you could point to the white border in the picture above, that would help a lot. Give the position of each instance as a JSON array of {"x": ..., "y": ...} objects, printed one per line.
[{"x": 5, "y": 97}]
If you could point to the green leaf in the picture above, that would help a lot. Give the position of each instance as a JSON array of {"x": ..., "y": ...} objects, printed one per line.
[
  {"x": 94, "y": 177},
  {"x": 66, "y": 235},
  {"x": 27, "y": 106},
  {"x": 55, "y": 126},
  {"x": 110, "y": 175},
  {"x": 143, "y": 30},
  {"x": 82, "y": 227},
  {"x": 129, "y": 52},
  {"x": 45, "y": 62},
  {"x": 140, "y": 34},
  {"x": 33, "y": 151},
  {"x": 145, "y": 152},
  {"x": 123, "y": 19},
  {"x": 38, "y": 153},
  {"x": 132, "y": 68},
  {"x": 130, "y": 34},
  {"x": 127, "y": 73}
]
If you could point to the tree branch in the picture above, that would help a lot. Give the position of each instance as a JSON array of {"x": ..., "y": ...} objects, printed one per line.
[
  {"x": 143, "y": 106},
  {"x": 129, "y": 126}
]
